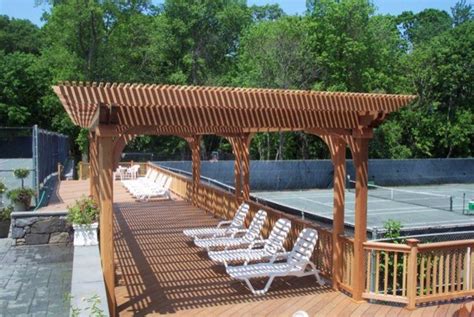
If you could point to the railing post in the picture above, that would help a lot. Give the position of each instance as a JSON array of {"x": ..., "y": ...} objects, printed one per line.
[
  {"x": 468, "y": 279},
  {"x": 412, "y": 273}
]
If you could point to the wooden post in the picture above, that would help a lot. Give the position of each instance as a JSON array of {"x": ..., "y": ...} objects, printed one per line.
[
  {"x": 93, "y": 167},
  {"x": 360, "y": 157},
  {"x": 245, "y": 164},
  {"x": 106, "y": 162},
  {"x": 339, "y": 163},
  {"x": 412, "y": 273},
  {"x": 195, "y": 144},
  {"x": 236, "y": 149}
]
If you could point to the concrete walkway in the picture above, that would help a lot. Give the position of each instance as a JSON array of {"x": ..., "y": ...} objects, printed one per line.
[{"x": 35, "y": 280}]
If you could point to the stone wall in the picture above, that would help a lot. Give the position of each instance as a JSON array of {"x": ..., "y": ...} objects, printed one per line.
[{"x": 40, "y": 228}]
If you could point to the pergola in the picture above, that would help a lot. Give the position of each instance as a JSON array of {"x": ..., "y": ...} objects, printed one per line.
[{"x": 116, "y": 113}]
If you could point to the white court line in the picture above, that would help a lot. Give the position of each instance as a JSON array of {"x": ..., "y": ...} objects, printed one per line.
[{"x": 315, "y": 201}]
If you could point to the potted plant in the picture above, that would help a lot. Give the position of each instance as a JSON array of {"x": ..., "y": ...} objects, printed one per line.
[
  {"x": 5, "y": 216},
  {"x": 21, "y": 197},
  {"x": 84, "y": 215}
]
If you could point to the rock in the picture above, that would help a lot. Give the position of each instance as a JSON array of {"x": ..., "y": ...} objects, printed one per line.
[
  {"x": 36, "y": 238},
  {"x": 27, "y": 229},
  {"x": 59, "y": 237},
  {"x": 18, "y": 232},
  {"x": 49, "y": 225},
  {"x": 23, "y": 222},
  {"x": 20, "y": 241}
]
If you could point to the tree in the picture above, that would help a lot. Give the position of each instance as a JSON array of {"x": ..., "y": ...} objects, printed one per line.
[
  {"x": 462, "y": 12},
  {"x": 423, "y": 26},
  {"x": 201, "y": 38},
  {"x": 18, "y": 36}
]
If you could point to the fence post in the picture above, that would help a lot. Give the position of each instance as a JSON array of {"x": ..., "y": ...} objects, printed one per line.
[
  {"x": 80, "y": 170},
  {"x": 412, "y": 273},
  {"x": 59, "y": 172},
  {"x": 34, "y": 143}
]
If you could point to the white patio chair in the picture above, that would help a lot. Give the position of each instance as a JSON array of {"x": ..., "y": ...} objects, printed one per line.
[
  {"x": 164, "y": 191},
  {"x": 296, "y": 264},
  {"x": 255, "y": 252},
  {"x": 137, "y": 185},
  {"x": 249, "y": 235},
  {"x": 223, "y": 228},
  {"x": 132, "y": 172}
]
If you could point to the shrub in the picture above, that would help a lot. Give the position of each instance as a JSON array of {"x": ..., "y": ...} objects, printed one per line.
[
  {"x": 84, "y": 212},
  {"x": 21, "y": 195},
  {"x": 21, "y": 173},
  {"x": 3, "y": 188},
  {"x": 5, "y": 213}
]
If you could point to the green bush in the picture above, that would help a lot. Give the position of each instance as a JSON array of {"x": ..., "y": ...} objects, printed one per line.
[
  {"x": 84, "y": 212},
  {"x": 5, "y": 213},
  {"x": 21, "y": 173},
  {"x": 3, "y": 188},
  {"x": 21, "y": 195}
]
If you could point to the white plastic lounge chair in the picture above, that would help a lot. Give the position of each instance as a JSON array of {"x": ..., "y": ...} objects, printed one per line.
[
  {"x": 249, "y": 235},
  {"x": 255, "y": 252},
  {"x": 157, "y": 192},
  {"x": 223, "y": 228},
  {"x": 296, "y": 264}
]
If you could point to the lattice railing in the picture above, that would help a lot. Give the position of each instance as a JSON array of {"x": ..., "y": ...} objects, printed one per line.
[{"x": 223, "y": 204}]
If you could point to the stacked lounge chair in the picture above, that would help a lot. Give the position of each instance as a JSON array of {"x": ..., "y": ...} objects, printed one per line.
[
  {"x": 154, "y": 184},
  {"x": 247, "y": 256}
]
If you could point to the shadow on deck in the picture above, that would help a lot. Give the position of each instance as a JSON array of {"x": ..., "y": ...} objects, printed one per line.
[{"x": 160, "y": 271}]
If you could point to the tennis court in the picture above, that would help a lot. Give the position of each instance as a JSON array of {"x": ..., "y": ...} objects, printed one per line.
[{"x": 414, "y": 207}]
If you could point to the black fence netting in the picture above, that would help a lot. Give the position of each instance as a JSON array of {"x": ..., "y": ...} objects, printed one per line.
[
  {"x": 51, "y": 148},
  {"x": 16, "y": 143}
]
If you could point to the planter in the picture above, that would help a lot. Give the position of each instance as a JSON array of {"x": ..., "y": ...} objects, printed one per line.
[
  {"x": 19, "y": 206},
  {"x": 85, "y": 234},
  {"x": 4, "y": 228}
]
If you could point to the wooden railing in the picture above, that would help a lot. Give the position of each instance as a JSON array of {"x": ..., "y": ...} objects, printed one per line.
[
  {"x": 347, "y": 245},
  {"x": 408, "y": 273},
  {"x": 415, "y": 273},
  {"x": 223, "y": 204}
]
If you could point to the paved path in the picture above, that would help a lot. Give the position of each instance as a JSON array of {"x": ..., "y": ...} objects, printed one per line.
[{"x": 34, "y": 280}]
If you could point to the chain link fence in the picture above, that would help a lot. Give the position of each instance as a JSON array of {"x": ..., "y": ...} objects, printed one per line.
[{"x": 34, "y": 149}]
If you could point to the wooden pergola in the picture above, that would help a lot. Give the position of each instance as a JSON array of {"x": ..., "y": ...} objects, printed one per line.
[{"x": 116, "y": 113}]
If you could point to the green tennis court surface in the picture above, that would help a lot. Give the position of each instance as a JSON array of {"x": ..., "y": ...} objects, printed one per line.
[{"x": 411, "y": 212}]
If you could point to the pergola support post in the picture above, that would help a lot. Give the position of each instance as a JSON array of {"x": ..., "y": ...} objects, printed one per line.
[
  {"x": 241, "y": 150},
  {"x": 338, "y": 154},
  {"x": 93, "y": 167},
  {"x": 360, "y": 157},
  {"x": 195, "y": 145},
  {"x": 106, "y": 217}
]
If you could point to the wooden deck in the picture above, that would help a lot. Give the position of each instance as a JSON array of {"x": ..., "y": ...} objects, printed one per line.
[{"x": 160, "y": 271}]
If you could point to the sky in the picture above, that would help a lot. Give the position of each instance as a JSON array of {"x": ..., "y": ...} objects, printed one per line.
[{"x": 26, "y": 9}]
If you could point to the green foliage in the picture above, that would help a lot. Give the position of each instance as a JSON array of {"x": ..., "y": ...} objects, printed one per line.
[
  {"x": 393, "y": 229},
  {"x": 83, "y": 212},
  {"x": 3, "y": 187},
  {"x": 337, "y": 45},
  {"x": 82, "y": 141},
  {"x": 92, "y": 308},
  {"x": 21, "y": 173},
  {"x": 18, "y": 36},
  {"x": 21, "y": 195},
  {"x": 5, "y": 213}
]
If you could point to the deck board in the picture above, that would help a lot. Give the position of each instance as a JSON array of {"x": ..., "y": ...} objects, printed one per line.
[{"x": 160, "y": 271}]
